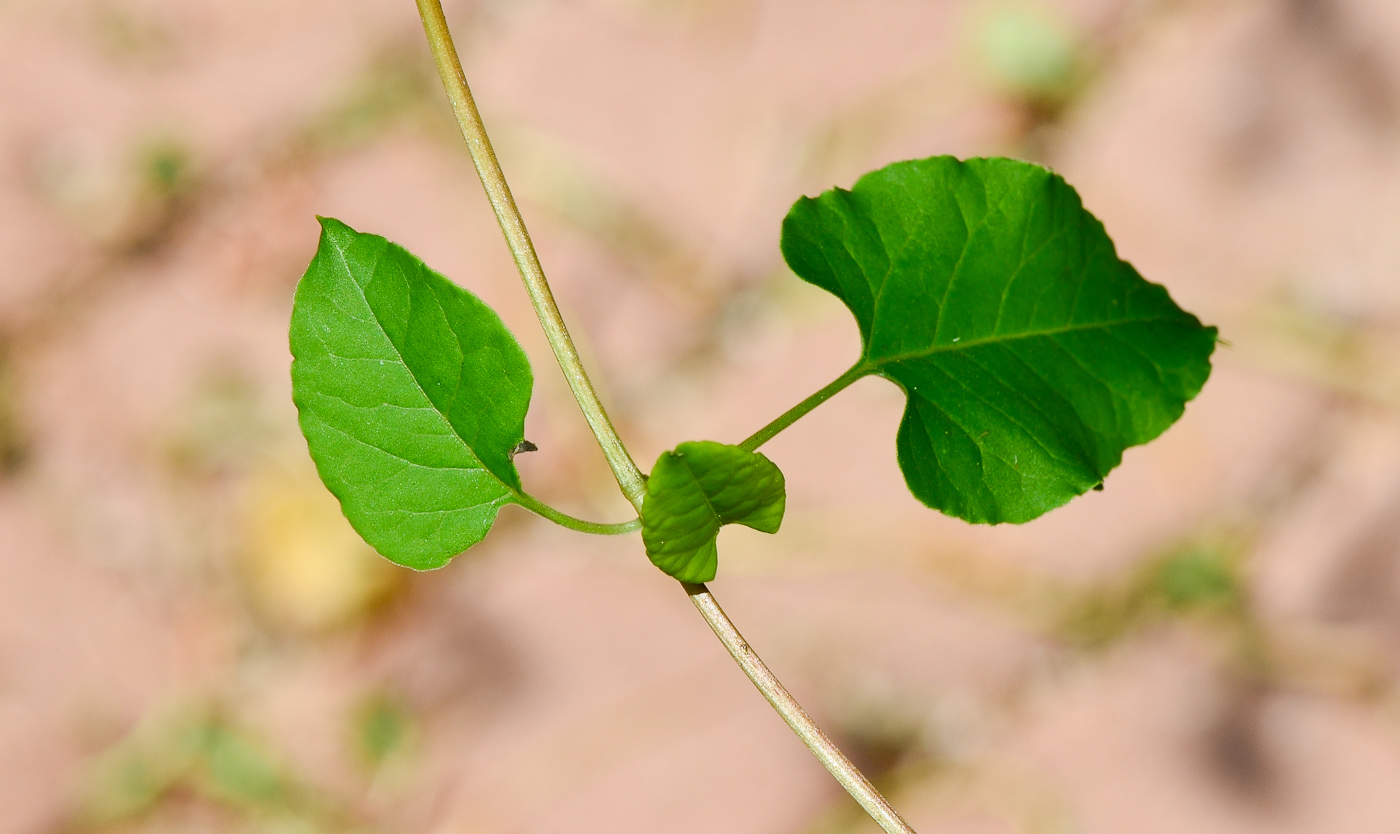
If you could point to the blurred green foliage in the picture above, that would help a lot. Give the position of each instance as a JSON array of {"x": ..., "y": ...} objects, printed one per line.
[
  {"x": 1196, "y": 581},
  {"x": 166, "y": 166},
  {"x": 396, "y": 83},
  {"x": 1030, "y": 52},
  {"x": 383, "y": 729},
  {"x": 239, "y": 770},
  {"x": 131, "y": 33},
  {"x": 199, "y": 754},
  {"x": 13, "y": 440},
  {"x": 1199, "y": 581}
]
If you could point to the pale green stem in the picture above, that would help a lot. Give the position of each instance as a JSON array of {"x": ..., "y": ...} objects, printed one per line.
[
  {"x": 827, "y": 753},
  {"x": 540, "y": 508},
  {"x": 629, "y": 478},
  {"x": 792, "y": 415}
]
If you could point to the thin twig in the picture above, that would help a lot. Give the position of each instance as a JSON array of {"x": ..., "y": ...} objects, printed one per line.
[
  {"x": 822, "y": 747},
  {"x": 629, "y": 478}
]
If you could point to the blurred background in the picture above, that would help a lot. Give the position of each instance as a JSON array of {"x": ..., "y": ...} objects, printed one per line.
[{"x": 193, "y": 640}]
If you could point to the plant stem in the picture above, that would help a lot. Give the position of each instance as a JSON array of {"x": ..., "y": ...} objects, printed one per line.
[
  {"x": 629, "y": 478},
  {"x": 792, "y": 415},
  {"x": 540, "y": 508},
  {"x": 827, "y": 753}
]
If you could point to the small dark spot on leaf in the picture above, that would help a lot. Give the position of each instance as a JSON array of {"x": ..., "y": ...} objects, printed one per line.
[
  {"x": 523, "y": 446},
  {"x": 1098, "y": 487}
]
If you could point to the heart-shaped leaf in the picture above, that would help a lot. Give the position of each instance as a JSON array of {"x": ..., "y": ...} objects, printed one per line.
[
  {"x": 697, "y": 488},
  {"x": 1032, "y": 356},
  {"x": 412, "y": 396}
]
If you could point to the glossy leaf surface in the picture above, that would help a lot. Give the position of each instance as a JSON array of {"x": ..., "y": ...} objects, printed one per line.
[
  {"x": 1032, "y": 356},
  {"x": 411, "y": 393},
  {"x": 697, "y": 488}
]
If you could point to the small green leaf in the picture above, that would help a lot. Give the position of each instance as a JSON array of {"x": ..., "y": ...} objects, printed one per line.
[
  {"x": 1031, "y": 355},
  {"x": 696, "y": 489},
  {"x": 412, "y": 396}
]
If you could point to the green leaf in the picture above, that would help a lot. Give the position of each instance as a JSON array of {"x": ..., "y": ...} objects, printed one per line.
[
  {"x": 412, "y": 396},
  {"x": 1031, "y": 355},
  {"x": 696, "y": 489}
]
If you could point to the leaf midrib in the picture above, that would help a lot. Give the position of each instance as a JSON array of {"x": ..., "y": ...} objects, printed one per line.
[
  {"x": 695, "y": 479},
  {"x": 340, "y": 252},
  {"x": 871, "y": 366}
]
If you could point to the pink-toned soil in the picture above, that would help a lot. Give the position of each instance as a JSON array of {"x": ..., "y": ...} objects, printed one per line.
[{"x": 1246, "y": 154}]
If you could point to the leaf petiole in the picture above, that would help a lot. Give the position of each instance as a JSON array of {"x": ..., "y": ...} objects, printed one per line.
[
  {"x": 792, "y": 415},
  {"x": 542, "y": 509}
]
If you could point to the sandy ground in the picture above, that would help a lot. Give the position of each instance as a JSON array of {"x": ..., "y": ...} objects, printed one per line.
[{"x": 191, "y": 639}]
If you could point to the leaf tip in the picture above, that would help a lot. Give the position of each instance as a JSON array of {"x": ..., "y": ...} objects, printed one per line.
[{"x": 330, "y": 225}]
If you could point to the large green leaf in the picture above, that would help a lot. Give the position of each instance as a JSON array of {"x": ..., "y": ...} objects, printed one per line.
[
  {"x": 696, "y": 489},
  {"x": 412, "y": 396},
  {"x": 1031, "y": 355}
]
